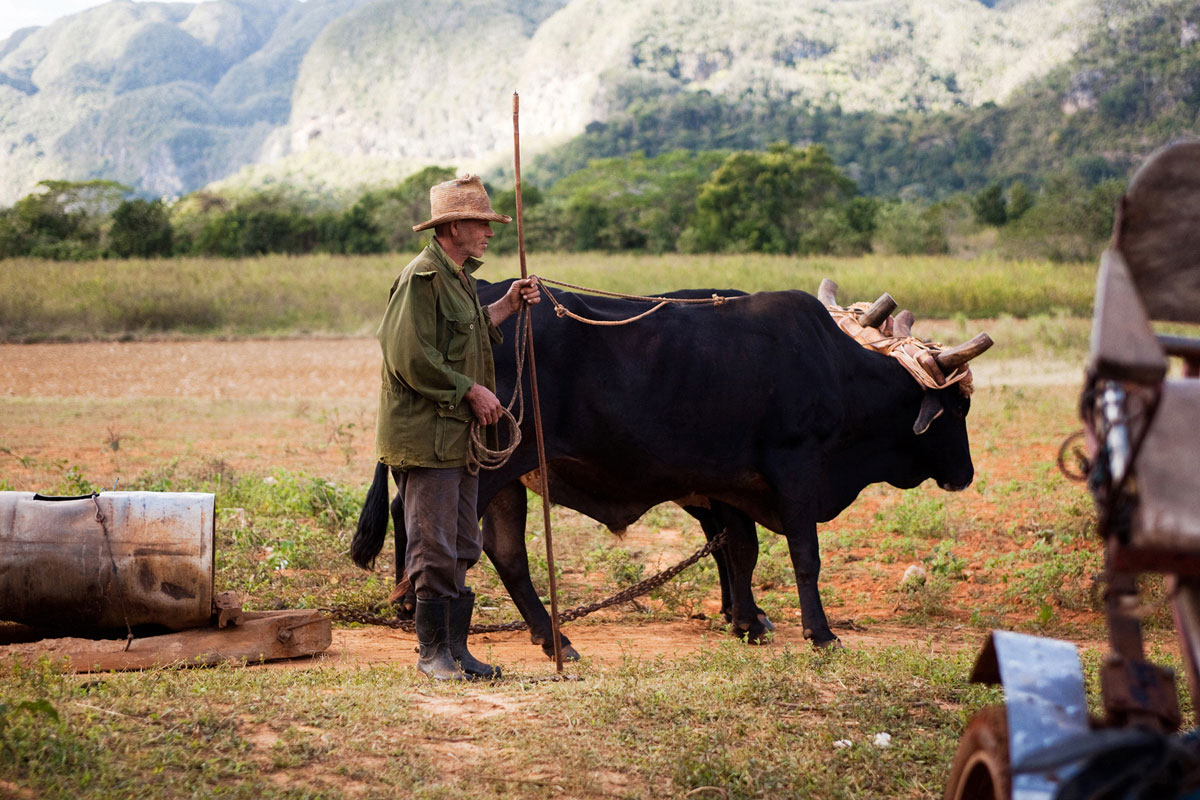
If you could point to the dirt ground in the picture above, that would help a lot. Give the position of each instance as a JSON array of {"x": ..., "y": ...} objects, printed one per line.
[
  {"x": 309, "y": 404},
  {"x": 604, "y": 644}
]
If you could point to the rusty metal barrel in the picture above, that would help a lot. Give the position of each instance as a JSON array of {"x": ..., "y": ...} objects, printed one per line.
[{"x": 107, "y": 561}]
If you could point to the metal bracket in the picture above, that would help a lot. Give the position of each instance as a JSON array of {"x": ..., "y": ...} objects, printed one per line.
[{"x": 1045, "y": 701}]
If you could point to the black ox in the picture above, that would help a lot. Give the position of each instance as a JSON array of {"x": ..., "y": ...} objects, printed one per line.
[{"x": 759, "y": 409}]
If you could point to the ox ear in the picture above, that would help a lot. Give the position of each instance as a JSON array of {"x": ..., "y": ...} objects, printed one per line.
[{"x": 931, "y": 409}]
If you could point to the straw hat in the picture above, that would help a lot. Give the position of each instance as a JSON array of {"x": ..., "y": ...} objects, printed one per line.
[{"x": 461, "y": 198}]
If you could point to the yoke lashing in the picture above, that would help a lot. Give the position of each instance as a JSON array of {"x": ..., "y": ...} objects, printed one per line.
[{"x": 915, "y": 355}]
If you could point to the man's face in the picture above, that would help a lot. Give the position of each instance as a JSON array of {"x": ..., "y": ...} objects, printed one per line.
[{"x": 471, "y": 236}]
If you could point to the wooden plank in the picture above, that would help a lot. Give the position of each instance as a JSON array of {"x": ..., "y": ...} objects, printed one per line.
[
  {"x": 1158, "y": 231},
  {"x": 1167, "y": 517},
  {"x": 261, "y": 636},
  {"x": 1123, "y": 344}
]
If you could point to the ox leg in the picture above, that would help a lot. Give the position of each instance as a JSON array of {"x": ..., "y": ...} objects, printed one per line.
[
  {"x": 806, "y": 561},
  {"x": 504, "y": 543},
  {"x": 735, "y": 567},
  {"x": 403, "y": 597},
  {"x": 712, "y": 527},
  {"x": 741, "y": 553}
]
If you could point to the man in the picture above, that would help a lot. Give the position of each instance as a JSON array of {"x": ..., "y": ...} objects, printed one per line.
[{"x": 438, "y": 377}]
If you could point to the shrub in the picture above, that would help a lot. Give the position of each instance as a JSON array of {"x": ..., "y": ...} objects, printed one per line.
[
  {"x": 908, "y": 229},
  {"x": 140, "y": 228}
]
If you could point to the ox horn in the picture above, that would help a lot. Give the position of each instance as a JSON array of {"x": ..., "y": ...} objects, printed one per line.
[
  {"x": 955, "y": 357},
  {"x": 880, "y": 310},
  {"x": 827, "y": 292},
  {"x": 902, "y": 325}
]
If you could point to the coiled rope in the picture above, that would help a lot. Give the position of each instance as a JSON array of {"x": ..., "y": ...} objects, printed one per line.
[{"x": 479, "y": 454}]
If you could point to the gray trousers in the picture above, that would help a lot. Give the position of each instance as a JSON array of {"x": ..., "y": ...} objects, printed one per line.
[{"x": 444, "y": 539}]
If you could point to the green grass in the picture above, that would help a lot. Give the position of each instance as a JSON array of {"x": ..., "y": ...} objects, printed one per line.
[
  {"x": 334, "y": 295},
  {"x": 733, "y": 721}
]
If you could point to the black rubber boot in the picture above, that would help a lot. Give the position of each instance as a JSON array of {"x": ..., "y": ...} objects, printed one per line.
[
  {"x": 434, "y": 657},
  {"x": 461, "y": 609}
]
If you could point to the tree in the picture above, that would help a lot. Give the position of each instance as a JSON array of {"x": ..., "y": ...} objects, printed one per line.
[
  {"x": 784, "y": 200},
  {"x": 989, "y": 205},
  {"x": 907, "y": 229},
  {"x": 1020, "y": 200},
  {"x": 505, "y": 202},
  {"x": 140, "y": 228},
  {"x": 61, "y": 221},
  {"x": 352, "y": 231},
  {"x": 394, "y": 211},
  {"x": 1069, "y": 221}
]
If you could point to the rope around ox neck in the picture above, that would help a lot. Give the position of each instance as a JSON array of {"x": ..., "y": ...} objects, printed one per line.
[{"x": 563, "y": 311}]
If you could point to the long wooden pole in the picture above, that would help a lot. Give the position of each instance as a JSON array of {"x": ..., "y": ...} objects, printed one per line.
[{"x": 537, "y": 408}]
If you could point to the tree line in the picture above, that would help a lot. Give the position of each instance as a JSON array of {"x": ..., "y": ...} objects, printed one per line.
[{"x": 782, "y": 199}]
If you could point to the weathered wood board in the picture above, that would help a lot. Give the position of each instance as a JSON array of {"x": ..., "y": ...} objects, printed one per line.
[
  {"x": 1158, "y": 232},
  {"x": 260, "y": 636}
]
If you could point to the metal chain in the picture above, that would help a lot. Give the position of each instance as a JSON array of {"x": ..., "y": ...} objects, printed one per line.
[
  {"x": 343, "y": 613},
  {"x": 1073, "y": 461}
]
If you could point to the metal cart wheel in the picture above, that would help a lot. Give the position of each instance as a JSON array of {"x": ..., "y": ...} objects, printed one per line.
[{"x": 981, "y": 770}]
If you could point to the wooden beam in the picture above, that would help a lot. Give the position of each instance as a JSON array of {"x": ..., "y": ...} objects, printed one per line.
[{"x": 261, "y": 636}]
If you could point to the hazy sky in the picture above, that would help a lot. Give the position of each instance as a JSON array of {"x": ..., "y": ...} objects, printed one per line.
[{"x": 16, "y": 14}]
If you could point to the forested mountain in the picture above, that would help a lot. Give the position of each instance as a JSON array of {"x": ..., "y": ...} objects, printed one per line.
[
  {"x": 1132, "y": 86},
  {"x": 921, "y": 97},
  {"x": 165, "y": 97}
]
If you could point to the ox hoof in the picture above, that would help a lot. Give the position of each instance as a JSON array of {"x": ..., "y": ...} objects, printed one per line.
[
  {"x": 569, "y": 653},
  {"x": 755, "y": 634},
  {"x": 825, "y": 640},
  {"x": 763, "y": 620},
  {"x": 404, "y": 603}
]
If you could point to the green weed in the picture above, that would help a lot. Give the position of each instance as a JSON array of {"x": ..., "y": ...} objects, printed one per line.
[
  {"x": 943, "y": 561},
  {"x": 1044, "y": 573},
  {"x": 917, "y": 515},
  {"x": 617, "y": 563}
]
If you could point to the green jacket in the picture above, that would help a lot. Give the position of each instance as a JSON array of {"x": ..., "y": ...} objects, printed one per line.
[{"x": 436, "y": 341}]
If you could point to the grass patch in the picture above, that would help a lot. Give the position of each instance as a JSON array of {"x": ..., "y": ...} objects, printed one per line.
[
  {"x": 917, "y": 515},
  {"x": 744, "y": 722},
  {"x": 344, "y": 295}
]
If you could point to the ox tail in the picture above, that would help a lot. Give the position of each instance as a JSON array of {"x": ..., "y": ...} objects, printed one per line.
[{"x": 372, "y": 521}]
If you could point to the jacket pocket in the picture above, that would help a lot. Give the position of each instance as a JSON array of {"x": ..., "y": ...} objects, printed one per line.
[
  {"x": 450, "y": 438},
  {"x": 462, "y": 336}
]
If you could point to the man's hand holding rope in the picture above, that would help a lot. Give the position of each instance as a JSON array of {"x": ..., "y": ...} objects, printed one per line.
[{"x": 523, "y": 292}]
